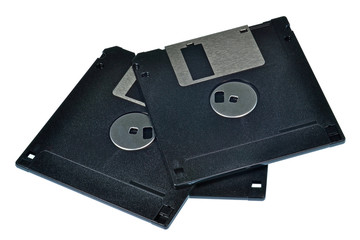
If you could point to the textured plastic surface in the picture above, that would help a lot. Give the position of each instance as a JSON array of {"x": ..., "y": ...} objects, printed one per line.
[
  {"x": 74, "y": 149},
  {"x": 291, "y": 116},
  {"x": 237, "y": 186}
]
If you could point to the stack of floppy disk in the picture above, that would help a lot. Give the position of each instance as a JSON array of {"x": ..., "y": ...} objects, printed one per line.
[{"x": 199, "y": 118}]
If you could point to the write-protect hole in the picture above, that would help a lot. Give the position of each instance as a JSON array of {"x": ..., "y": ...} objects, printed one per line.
[
  {"x": 31, "y": 156},
  {"x": 219, "y": 97},
  {"x": 256, "y": 185},
  {"x": 233, "y": 99},
  {"x": 161, "y": 219},
  {"x": 147, "y": 132},
  {"x": 133, "y": 130},
  {"x": 166, "y": 211}
]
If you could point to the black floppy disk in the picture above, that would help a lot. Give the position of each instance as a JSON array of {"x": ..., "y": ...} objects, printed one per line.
[
  {"x": 104, "y": 146},
  {"x": 233, "y": 100}
]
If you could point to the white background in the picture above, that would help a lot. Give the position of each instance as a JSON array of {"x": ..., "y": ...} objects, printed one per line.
[{"x": 46, "y": 48}]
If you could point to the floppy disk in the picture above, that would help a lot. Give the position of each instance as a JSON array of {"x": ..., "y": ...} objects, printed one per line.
[
  {"x": 101, "y": 142},
  {"x": 233, "y": 100}
]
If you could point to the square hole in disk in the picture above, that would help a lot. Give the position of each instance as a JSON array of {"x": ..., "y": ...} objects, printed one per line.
[
  {"x": 147, "y": 132},
  {"x": 256, "y": 185},
  {"x": 219, "y": 97}
]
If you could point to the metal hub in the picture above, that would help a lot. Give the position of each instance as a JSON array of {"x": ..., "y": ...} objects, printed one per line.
[
  {"x": 233, "y": 99},
  {"x": 132, "y": 131}
]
